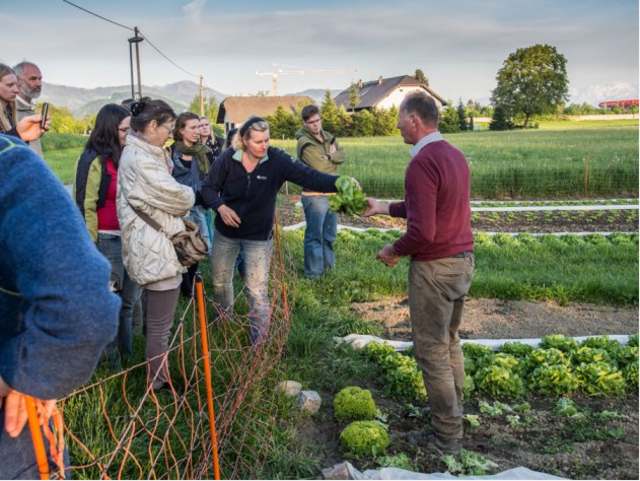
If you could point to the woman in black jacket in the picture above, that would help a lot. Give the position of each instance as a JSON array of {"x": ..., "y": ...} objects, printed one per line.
[{"x": 242, "y": 188}]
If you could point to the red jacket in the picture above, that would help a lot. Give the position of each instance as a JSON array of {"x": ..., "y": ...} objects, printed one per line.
[{"x": 436, "y": 205}]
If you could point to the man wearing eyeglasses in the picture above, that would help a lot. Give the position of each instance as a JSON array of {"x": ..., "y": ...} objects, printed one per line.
[{"x": 319, "y": 150}]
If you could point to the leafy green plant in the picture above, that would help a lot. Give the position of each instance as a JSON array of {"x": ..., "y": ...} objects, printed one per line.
[
  {"x": 405, "y": 382},
  {"x": 354, "y": 404},
  {"x": 602, "y": 342},
  {"x": 501, "y": 378},
  {"x": 600, "y": 379},
  {"x": 556, "y": 379},
  {"x": 473, "y": 420},
  {"x": 540, "y": 357},
  {"x": 630, "y": 374},
  {"x": 514, "y": 420},
  {"x": 626, "y": 355},
  {"x": 400, "y": 460},
  {"x": 565, "y": 407},
  {"x": 364, "y": 438},
  {"x": 476, "y": 351},
  {"x": 633, "y": 340},
  {"x": 350, "y": 199},
  {"x": 516, "y": 349},
  {"x": 470, "y": 464},
  {"x": 496, "y": 409},
  {"x": 608, "y": 416},
  {"x": 560, "y": 342},
  {"x": 589, "y": 355}
]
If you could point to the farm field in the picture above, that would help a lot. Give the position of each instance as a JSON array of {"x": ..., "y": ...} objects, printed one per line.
[
  {"x": 545, "y": 163},
  {"x": 525, "y": 286},
  {"x": 362, "y": 296},
  {"x": 533, "y": 164}
]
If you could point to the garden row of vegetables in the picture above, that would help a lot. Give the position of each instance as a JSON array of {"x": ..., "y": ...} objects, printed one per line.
[
  {"x": 599, "y": 366},
  {"x": 560, "y": 366}
]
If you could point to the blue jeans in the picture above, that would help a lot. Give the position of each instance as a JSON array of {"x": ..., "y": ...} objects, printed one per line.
[
  {"x": 110, "y": 246},
  {"x": 257, "y": 259},
  {"x": 198, "y": 215},
  {"x": 319, "y": 236}
]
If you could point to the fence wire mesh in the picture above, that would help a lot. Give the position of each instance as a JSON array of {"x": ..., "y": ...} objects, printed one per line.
[{"x": 118, "y": 428}]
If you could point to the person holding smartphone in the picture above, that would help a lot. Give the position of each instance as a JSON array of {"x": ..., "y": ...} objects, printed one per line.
[{"x": 29, "y": 128}]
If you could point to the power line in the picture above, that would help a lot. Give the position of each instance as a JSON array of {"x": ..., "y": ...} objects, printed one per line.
[
  {"x": 96, "y": 15},
  {"x": 167, "y": 58},
  {"x": 133, "y": 30}
]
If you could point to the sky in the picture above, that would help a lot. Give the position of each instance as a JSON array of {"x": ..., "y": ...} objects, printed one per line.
[{"x": 460, "y": 44}]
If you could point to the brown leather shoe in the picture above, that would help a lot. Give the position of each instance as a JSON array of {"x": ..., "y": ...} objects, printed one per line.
[
  {"x": 451, "y": 447},
  {"x": 433, "y": 443}
]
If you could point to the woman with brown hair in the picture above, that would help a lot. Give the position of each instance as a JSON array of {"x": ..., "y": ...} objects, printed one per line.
[
  {"x": 28, "y": 128},
  {"x": 146, "y": 190},
  {"x": 190, "y": 166}
]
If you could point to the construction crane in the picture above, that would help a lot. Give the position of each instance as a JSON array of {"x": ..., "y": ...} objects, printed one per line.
[{"x": 275, "y": 72}]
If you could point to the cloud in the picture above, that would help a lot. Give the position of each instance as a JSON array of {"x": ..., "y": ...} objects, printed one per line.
[
  {"x": 594, "y": 94},
  {"x": 193, "y": 11}
]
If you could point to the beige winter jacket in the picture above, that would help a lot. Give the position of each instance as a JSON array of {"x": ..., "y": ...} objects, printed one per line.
[{"x": 145, "y": 182}]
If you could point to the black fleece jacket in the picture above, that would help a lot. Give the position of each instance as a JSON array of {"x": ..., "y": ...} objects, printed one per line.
[{"x": 253, "y": 195}]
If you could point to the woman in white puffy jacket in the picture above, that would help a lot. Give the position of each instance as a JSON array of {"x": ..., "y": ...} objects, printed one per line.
[{"x": 145, "y": 185}]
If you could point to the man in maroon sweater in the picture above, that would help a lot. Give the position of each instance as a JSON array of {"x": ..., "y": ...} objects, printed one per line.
[{"x": 440, "y": 243}]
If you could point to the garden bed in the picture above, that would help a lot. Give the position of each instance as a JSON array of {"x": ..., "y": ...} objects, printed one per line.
[
  {"x": 531, "y": 221},
  {"x": 598, "y": 441},
  {"x": 505, "y": 319}
]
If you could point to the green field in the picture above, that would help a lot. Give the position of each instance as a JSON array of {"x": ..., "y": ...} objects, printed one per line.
[
  {"x": 523, "y": 164},
  {"x": 518, "y": 164}
]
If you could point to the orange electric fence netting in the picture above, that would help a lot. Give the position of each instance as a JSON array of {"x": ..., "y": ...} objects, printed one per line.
[{"x": 117, "y": 427}]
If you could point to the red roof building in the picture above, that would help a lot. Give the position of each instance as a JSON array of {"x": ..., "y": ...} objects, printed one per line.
[{"x": 622, "y": 103}]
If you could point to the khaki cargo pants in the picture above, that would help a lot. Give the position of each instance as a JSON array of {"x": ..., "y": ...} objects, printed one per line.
[{"x": 437, "y": 291}]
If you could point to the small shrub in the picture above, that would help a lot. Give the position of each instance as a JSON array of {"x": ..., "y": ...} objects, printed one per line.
[
  {"x": 633, "y": 340},
  {"x": 364, "y": 438},
  {"x": 354, "y": 404}
]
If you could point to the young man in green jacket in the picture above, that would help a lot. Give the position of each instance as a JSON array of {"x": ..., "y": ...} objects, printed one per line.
[{"x": 319, "y": 150}]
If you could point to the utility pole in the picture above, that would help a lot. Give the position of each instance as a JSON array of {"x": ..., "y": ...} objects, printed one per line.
[
  {"x": 201, "y": 99},
  {"x": 135, "y": 39}
]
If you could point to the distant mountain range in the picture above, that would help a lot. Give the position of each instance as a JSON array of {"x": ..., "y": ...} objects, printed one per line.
[
  {"x": 83, "y": 101},
  {"x": 179, "y": 95}
]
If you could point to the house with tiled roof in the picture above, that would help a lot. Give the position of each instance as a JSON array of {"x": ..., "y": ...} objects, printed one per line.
[
  {"x": 385, "y": 93},
  {"x": 235, "y": 110}
]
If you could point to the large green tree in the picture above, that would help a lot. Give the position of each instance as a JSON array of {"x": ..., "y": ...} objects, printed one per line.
[
  {"x": 421, "y": 77},
  {"x": 354, "y": 97},
  {"x": 210, "y": 107},
  {"x": 532, "y": 81}
]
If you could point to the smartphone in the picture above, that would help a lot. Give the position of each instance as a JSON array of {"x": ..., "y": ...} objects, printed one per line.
[{"x": 45, "y": 111}]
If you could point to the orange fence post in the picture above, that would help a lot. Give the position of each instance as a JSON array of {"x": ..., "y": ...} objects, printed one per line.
[
  {"x": 36, "y": 436},
  {"x": 207, "y": 374}
]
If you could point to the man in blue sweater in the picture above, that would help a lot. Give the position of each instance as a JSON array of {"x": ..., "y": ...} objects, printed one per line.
[{"x": 56, "y": 311}]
